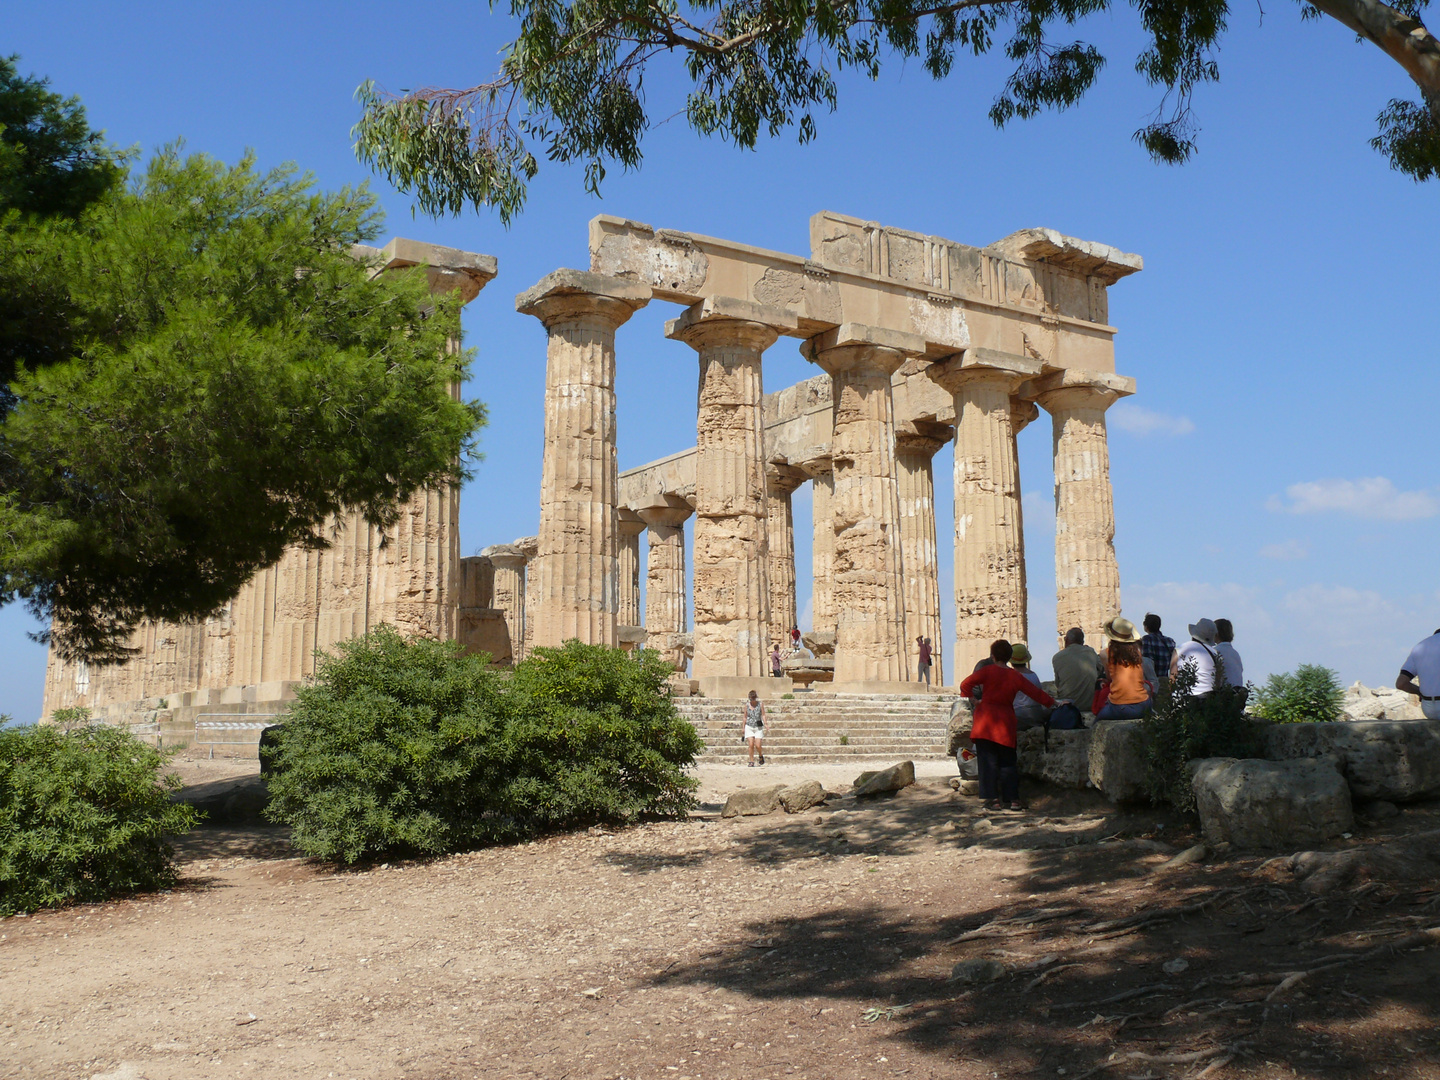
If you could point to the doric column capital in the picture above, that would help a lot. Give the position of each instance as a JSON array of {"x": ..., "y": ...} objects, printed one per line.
[
  {"x": 1022, "y": 413},
  {"x": 447, "y": 269},
  {"x": 858, "y": 348},
  {"x": 1074, "y": 389},
  {"x": 629, "y": 523},
  {"x": 505, "y": 556},
  {"x": 529, "y": 546},
  {"x": 720, "y": 321},
  {"x": 817, "y": 467},
  {"x": 926, "y": 442},
  {"x": 782, "y": 479},
  {"x": 990, "y": 366},
  {"x": 570, "y": 294},
  {"x": 669, "y": 512}
]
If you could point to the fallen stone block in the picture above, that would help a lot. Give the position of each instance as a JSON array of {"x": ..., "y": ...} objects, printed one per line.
[
  {"x": 1118, "y": 763},
  {"x": 977, "y": 972},
  {"x": 748, "y": 802},
  {"x": 887, "y": 780},
  {"x": 1065, "y": 762},
  {"x": 1394, "y": 760},
  {"x": 802, "y": 796},
  {"x": 1265, "y": 804},
  {"x": 962, "y": 719},
  {"x": 229, "y": 802}
]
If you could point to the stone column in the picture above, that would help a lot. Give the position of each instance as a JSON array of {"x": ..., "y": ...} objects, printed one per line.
[
  {"x": 665, "y": 568},
  {"x": 1087, "y": 576},
  {"x": 529, "y": 546},
  {"x": 822, "y": 552},
  {"x": 870, "y": 636},
  {"x": 780, "y": 483},
  {"x": 576, "y": 567},
  {"x": 507, "y": 591},
  {"x": 990, "y": 598},
  {"x": 919, "y": 553},
  {"x": 630, "y": 527},
  {"x": 732, "y": 596}
]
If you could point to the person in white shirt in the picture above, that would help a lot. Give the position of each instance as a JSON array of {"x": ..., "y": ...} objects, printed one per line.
[
  {"x": 1229, "y": 656},
  {"x": 1199, "y": 652},
  {"x": 1423, "y": 664}
]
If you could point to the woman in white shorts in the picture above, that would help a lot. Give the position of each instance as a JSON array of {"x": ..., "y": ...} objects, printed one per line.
[{"x": 754, "y": 724}]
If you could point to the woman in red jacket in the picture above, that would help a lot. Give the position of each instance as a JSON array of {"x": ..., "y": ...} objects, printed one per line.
[{"x": 993, "y": 731}]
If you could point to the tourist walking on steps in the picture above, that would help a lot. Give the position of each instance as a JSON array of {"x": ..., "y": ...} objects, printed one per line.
[
  {"x": 775, "y": 662},
  {"x": 1028, "y": 712},
  {"x": 923, "y": 644},
  {"x": 1225, "y": 649},
  {"x": 1156, "y": 647},
  {"x": 754, "y": 728},
  {"x": 1077, "y": 670},
  {"x": 1199, "y": 653},
  {"x": 1421, "y": 675},
  {"x": 1124, "y": 666},
  {"x": 993, "y": 731}
]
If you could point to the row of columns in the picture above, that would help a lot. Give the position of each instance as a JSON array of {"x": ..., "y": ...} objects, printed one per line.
[{"x": 875, "y": 548}]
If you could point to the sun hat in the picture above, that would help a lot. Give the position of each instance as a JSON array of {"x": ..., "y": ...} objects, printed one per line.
[
  {"x": 1204, "y": 630},
  {"x": 1121, "y": 629},
  {"x": 1019, "y": 653}
]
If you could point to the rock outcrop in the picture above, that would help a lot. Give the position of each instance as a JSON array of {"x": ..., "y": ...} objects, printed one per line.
[{"x": 1268, "y": 804}]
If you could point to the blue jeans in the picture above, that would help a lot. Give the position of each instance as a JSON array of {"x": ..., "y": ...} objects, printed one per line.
[{"x": 1112, "y": 711}]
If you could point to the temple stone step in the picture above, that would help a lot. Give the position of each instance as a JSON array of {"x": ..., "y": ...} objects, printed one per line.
[{"x": 811, "y": 728}]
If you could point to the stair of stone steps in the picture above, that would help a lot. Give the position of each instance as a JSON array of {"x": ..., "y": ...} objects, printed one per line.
[{"x": 811, "y": 728}]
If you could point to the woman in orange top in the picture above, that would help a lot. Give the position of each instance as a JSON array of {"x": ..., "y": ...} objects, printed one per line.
[
  {"x": 993, "y": 731},
  {"x": 1129, "y": 692}
]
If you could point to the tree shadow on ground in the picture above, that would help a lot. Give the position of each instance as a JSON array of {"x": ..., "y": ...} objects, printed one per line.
[
  {"x": 634, "y": 862},
  {"x": 234, "y": 842}
]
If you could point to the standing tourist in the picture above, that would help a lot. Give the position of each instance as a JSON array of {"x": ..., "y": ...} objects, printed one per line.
[
  {"x": 923, "y": 644},
  {"x": 775, "y": 661},
  {"x": 1423, "y": 664},
  {"x": 754, "y": 732},
  {"x": 1125, "y": 668},
  {"x": 1229, "y": 656},
  {"x": 1077, "y": 670},
  {"x": 1199, "y": 653},
  {"x": 794, "y": 637},
  {"x": 1156, "y": 647},
  {"x": 993, "y": 731},
  {"x": 1028, "y": 712}
]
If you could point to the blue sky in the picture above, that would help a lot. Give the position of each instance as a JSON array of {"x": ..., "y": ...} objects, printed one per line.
[{"x": 1276, "y": 465}]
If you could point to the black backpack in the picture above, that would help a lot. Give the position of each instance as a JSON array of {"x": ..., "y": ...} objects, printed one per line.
[{"x": 1062, "y": 718}]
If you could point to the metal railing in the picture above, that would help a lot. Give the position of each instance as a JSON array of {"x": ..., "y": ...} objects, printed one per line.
[{"x": 232, "y": 723}]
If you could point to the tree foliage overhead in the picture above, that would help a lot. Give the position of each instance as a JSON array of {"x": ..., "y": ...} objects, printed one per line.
[
  {"x": 196, "y": 372},
  {"x": 571, "y": 85}
]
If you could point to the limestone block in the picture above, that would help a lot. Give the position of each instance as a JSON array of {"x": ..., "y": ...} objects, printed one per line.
[
  {"x": 803, "y": 796},
  {"x": 1266, "y": 804},
  {"x": 1065, "y": 763},
  {"x": 1386, "y": 703},
  {"x": 748, "y": 802},
  {"x": 887, "y": 780},
  {"x": 962, "y": 718},
  {"x": 1118, "y": 759},
  {"x": 1394, "y": 760}
]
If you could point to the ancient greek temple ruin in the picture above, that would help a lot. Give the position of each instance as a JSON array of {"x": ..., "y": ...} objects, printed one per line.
[{"x": 916, "y": 341}]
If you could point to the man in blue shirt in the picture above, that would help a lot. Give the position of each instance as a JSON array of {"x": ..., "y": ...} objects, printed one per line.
[{"x": 1156, "y": 647}]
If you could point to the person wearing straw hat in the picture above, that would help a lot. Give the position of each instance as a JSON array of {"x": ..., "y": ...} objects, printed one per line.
[
  {"x": 1199, "y": 653},
  {"x": 1130, "y": 688},
  {"x": 1029, "y": 713}
]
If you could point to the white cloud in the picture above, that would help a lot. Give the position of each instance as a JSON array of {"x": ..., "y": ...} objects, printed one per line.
[
  {"x": 1038, "y": 509},
  {"x": 1370, "y": 497},
  {"x": 1179, "y": 603},
  {"x": 1286, "y": 551},
  {"x": 1142, "y": 422}
]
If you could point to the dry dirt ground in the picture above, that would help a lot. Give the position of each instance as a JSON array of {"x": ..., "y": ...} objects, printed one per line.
[{"x": 817, "y": 945}]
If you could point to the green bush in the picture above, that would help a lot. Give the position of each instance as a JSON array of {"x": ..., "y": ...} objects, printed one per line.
[
  {"x": 83, "y": 816},
  {"x": 1183, "y": 726},
  {"x": 406, "y": 747},
  {"x": 1311, "y": 694}
]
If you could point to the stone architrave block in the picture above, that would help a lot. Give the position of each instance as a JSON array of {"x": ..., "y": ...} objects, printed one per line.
[
  {"x": 1118, "y": 762},
  {"x": 1267, "y": 804},
  {"x": 887, "y": 780},
  {"x": 802, "y": 797},
  {"x": 1065, "y": 763},
  {"x": 748, "y": 802},
  {"x": 1395, "y": 760}
]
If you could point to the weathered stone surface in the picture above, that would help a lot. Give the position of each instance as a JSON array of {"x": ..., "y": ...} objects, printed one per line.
[
  {"x": 1404, "y": 859},
  {"x": 886, "y": 780},
  {"x": 919, "y": 556},
  {"x": 977, "y": 972},
  {"x": 1398, "y": 761},
  {"x": 228, "y": 802},
  {"x": 803, "y": 796},
  {"x": 822, "y": 552},
  {"x": 748, "y": 802},
  {"x": 1117, "y": 760},
  {"x": 1386, "y": 703},
  {"x": 1266, "y": 804},
  {"x": 962, "y": 719},
  {"x": 1066, "y": 763}
]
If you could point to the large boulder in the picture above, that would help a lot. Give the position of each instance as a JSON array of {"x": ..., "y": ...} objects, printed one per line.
[
  {"x": 1118, "y": 760},
  {"x": 887, "y": 780},
  {"x": 802, "y": 796},
  {"x": 1266, "y": 804},
  {"x": 1382, "y": 759},
  {"x": 233, "y": 801},
  {"x": 1065, "y": 762},
  {"x": 748, "y": 802}
]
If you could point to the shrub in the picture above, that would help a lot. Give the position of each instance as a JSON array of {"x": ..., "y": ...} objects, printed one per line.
[
  {"x": 83, "y": 816},
  {"x": 406, "y": 747},
  {"x": 1183, "y": 726},
  {"x": 1310, "y": 694}
]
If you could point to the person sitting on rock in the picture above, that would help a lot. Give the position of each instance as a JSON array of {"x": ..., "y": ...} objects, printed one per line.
[
  {"x": 1156, "y": 647},
  {"x": 1130, "y": 690},
  {"x": 1198, "y": 653},
  {"x": 1421, "y": 675},
  {"x": 1028, "y": 712},
  {"x": 1229, "y": 656},
  {"x": 1077, "y": 670},
  {"x": 994, "y": 727}
]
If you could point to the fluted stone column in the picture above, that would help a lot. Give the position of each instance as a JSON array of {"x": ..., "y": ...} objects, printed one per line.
[
  {"x": 919, "y": 554},
  {"x": 870, "y": 636},
  {"x": 345, "y": 570},
  {"x": 665, "y": 568},
  {"x": 1087, "y": 576},
  {"x": 630, "y": 527},
  {"x": 529, "y": 546},
  {"x": 822, "y": 552},
  {"x": 990, "y": 596},
  {"x": 731, "y": 591},
  {"x": 507, "y": 591},
  {"x": 577, "y": 587},
  {"x": 780, "y": 484}
]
